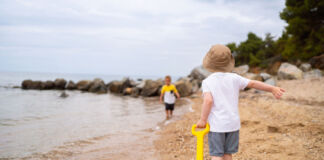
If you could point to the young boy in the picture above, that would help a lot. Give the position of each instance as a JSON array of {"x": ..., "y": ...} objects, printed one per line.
[
  {"x": 220, "y": 102},
  {"x": 167, "y": 93}
]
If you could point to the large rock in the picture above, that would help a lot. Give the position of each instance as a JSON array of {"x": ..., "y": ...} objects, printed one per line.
[
  {"x": 97, "y": 86},
  {"x": 47, "y": 85},
  {"x": 127, "y": 91},
  {"x": 59, "y": 83},
  {"x": 83, "y": 85},
  {"x": 241, "y": 70},
  {"x": 274, "y": 67},
  {"x": 135, "y": 92},
  {"x": 195, "y": 85},
  {"x": 151, "y": 88},
  {"x": 199, "y": 73},
  {"x": 115, "y": 87},
  {"x": 265, "y": 76},
  {"x": 271, "y": 81},
  {"x": 126, "y": 83},
  {"x": 305, "y": 67},
  {"x": 29, "y": 84},
  {"x": 317, "y": 61},
  {"x": 315, "y": 73},
  {"x": 184, "y": 87},
  {"x": 289, "y": 71},
  {"x": 253, "y": 76},
  {"x": 71, "y": 85}
]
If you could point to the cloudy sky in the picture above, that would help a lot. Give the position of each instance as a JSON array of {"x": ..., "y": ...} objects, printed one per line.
[{"x": 125, "y": 37}]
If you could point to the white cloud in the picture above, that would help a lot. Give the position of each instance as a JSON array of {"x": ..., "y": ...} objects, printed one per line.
[{"x": 126, "y": 30}]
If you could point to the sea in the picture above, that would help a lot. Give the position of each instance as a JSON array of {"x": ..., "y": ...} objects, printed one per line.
[{"x": 39, "y": 124}]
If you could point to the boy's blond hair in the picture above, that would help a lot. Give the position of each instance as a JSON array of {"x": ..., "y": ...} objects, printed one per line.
[{"x": 168, "y": 77}]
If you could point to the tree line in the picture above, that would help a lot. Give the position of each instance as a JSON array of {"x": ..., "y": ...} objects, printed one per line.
[{"x": 302, "y": 38}]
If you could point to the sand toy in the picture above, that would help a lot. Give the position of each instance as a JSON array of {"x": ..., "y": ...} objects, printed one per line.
[{"x": 200, "y": 140}]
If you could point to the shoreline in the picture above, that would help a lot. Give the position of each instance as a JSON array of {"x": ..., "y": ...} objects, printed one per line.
[{"x": 289, "y": 128}]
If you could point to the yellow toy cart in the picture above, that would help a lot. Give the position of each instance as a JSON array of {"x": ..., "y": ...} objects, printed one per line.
[{"x": 200, "y": 140}]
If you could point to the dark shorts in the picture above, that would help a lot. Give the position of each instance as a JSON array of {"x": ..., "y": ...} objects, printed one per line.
[
  {"x": 169, "y": 106},
  {"x": 223, "y": 143}
]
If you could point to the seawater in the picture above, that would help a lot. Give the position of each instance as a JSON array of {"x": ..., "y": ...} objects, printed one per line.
[{"x": 38, "y": 124}]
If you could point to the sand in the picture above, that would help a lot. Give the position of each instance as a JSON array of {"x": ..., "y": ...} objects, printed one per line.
[{"x": 289, "y": 128}]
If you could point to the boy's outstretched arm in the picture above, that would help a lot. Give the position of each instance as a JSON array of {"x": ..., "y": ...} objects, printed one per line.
[
  {"x": 276, "y": 91},
  {"x": 206, "y": 107}
]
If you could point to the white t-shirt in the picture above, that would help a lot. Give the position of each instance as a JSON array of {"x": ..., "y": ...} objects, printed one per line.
[{"x": 224, "y": 87}]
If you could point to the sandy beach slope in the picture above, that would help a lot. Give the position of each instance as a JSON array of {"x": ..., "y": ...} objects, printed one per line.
[{"x": 289, "y": 128}]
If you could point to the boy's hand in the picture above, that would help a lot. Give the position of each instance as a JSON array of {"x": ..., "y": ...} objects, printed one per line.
[
  {"x": 277, "y": 92},
  {"x": 201, "y": 124}
]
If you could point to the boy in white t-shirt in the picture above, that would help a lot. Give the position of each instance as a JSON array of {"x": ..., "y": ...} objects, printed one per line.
[{"x": 220, "y": 101}]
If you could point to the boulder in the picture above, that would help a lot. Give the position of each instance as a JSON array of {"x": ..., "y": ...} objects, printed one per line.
[
  {"x": 115, "y": 87},
  {"x": 199, "y": 73},
  {"x": 305, "y": 67},
  {"x": 151, "y": 88},
  {"x": 71, "y": 85},
  {"x": 184, "y": 87},
  {"x": 289, "y": 71},
  {"x": 59, "y": 83},
  {"x": 97, "y": 86},
  {"x": 274, "y": 67},
  {"x": 241, "y": 70},
  {"x": 64, "y": 94},
  {"x": 252, "y": 76},
  {"x": 195, "y": 86},
  {"x": 29, "y": 84},
  {"x": 140, "y": 85},
  {"x": 317, "y": 62},
  {"x": 265, "y": 76},
  {"x": 83, "y": 85},
  {"x": 271, "y": 81},
  {"x": 135, "y": 92},
  {"x": 315, "y": 73},
  {"x": 47, "y": 85},
  {"x": 126, "y": 83},
  {"x": 127, "y": 91}
]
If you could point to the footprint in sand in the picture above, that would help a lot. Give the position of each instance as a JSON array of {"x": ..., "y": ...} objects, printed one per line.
[{"x": 249, "y": 123}]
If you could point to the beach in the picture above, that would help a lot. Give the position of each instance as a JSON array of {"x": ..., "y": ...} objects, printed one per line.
[
  {"x": 289, "y": 128},
  {"x": 40, "y": 124}
]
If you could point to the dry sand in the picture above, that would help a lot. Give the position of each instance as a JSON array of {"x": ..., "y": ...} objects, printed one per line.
[{"x": 289, "y": 128}]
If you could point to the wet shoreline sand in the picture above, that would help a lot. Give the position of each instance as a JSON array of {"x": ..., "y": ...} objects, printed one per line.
[{"x": 289, "y": 128}]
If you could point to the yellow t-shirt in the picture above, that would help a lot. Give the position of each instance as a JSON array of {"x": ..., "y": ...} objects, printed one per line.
[{"x": 169, "y": 91}]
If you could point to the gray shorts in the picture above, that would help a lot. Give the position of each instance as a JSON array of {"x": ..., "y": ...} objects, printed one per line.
[{"x": 223, "y": 143}]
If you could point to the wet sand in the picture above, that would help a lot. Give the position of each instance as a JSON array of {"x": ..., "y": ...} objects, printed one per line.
[{"x": 289, "y": 128}]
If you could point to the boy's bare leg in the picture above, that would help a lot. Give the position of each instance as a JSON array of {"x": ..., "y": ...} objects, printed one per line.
[
  {"x": 217, "y": 158},
  {"x": 167, "y": 114},
  {"x": 227, "y": 156}
]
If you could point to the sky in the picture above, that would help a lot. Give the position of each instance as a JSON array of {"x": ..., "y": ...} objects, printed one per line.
[{"x": 126, "y": 37}]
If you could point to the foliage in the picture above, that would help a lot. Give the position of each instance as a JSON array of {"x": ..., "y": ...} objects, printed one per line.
[
  {"x": 305, "y": 29},
  {"x": 302, "y": 39},
  {"x": 254, "y": 50}
]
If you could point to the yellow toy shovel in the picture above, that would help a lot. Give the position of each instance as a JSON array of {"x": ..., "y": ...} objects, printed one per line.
[{"x": 200, "y": 140}]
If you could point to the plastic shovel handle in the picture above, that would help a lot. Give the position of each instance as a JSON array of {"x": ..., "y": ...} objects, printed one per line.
[{"x": 200, "y": 140}]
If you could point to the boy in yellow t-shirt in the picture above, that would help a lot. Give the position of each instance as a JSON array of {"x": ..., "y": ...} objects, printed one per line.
[{"x": 167, "y": 93}]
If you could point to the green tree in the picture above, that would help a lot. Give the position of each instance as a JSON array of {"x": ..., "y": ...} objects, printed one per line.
[
  {"x": 247, "y": 50},
  {"x": 304, "y": 36}
]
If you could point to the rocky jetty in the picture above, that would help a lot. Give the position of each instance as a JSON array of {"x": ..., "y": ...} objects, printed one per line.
[{"x": 185, "y": 85}]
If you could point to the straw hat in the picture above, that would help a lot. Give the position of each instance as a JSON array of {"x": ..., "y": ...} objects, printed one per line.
[{"x": 219, "y": 59}]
